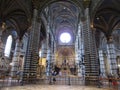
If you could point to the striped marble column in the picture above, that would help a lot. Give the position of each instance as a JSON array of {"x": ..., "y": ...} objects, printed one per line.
[
  {"x": 55, "y": 52},
  {"x": 112, "y": 58},
  {"x": 25, "y": 42},
  {"x": 91, "y": 60},
  {"x": 81, "y": 50},
  {"x": 32, "y": 53},
  {"x": 2, "y": 46},
  {"x": 44, "y": 53},
  {"x": 48, "y": 58},
  {"x": 48, "y": 68},
  {"x": 102, "y": 63},
  {"x": 76, "y": 49},
  {"x": 0, "y": 41},
  {"x": 77, "y": 58},
  {"x": 43, "y": 50},
  {"x": 15, "y": 61},
  {"x": 52, "y": 51}
]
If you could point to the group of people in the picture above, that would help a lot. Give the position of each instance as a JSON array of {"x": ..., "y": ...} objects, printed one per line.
[{"x": 112, "y": 80}]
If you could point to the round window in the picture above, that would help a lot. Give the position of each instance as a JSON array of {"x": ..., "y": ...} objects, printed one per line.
[{"x": 65, "y": 37}]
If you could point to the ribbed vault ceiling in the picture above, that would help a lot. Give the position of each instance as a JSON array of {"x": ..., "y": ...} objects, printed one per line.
[
  {"x": 64, "y": 17},
  {"x": 107, "y": 16},
  {"x": 16, "y": 14},
  {"x": 104, "y": 13}
]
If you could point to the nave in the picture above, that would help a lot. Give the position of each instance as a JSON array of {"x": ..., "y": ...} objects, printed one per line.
[
  {"x": 54, "y": 87},
  {"x": 80, "y": 37}
]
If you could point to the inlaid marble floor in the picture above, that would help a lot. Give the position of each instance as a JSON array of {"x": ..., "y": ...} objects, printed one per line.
[{"x": 53, "y": 87}]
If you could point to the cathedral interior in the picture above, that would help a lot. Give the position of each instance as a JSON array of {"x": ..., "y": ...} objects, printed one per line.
[{"x": 74, "y": 41}]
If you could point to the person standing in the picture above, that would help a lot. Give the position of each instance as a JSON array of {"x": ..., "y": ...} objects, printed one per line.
[{"x": 54, "y": 74}]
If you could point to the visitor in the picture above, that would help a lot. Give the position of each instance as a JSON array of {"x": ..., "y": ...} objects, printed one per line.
[
  {"x": 110, "y": 79},
  {"x": 115, "y": 83},
  {"x": 100, "y": 84},
  {"x": 54, "y": 73}
]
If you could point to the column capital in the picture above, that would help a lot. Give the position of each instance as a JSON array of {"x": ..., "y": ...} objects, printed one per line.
[
  {"x": 3, "y": 26},
  {"x": 86, "y": 3},
  {"x": 38, "y": 3},
  {"x": 92, "y": 28},
  {"x": 110, "y": 39}
]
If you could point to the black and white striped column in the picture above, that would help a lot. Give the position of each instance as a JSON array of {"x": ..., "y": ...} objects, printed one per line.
[
  {"x": 48, "y": 68},
  {"x": 32, "y": 53},
  {"x": 55, "y": 51},
  {"x": 2, "y": 46},
  {"x": 15, "y": 61},
  {"x": 102, "y": 63},
  {"x": 43, "y": 50},
  {"x": 90, "y": 59},
  {"x": 52, "y": 50},
  {"x": 112, "y": 58}
]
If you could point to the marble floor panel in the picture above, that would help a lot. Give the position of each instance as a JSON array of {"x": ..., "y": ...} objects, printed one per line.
[{"x": 54, "y": 87}]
